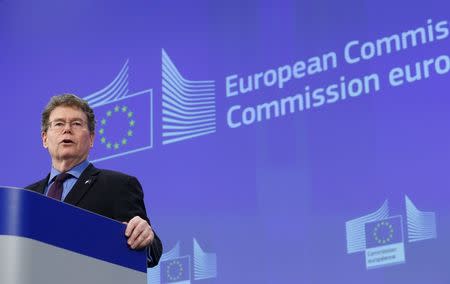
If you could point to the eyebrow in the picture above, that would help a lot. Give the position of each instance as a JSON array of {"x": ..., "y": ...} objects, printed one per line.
[{"x": 61, "y": 119}]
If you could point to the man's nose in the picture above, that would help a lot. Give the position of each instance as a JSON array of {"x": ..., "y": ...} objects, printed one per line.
[{"x": 67, "y": 127}]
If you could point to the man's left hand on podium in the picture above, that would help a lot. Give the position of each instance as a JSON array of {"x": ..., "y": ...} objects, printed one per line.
[{"x": 139, "y": 233}]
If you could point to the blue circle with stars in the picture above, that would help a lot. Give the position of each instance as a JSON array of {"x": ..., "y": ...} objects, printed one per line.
[{"x": 117, "y": 111}]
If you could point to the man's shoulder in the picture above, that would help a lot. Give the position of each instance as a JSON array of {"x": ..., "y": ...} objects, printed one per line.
[
  {"x": 35, "y": 186},
  {"x": 114, "y": 175},
  {"x": 115, "y": 180}
]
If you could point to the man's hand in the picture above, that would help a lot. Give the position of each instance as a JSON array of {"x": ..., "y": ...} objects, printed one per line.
[{"x": 139, "y": 233}]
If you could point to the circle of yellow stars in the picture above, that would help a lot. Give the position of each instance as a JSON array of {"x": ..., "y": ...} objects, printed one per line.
[
  {"x": 131, "y": 123},
  {"x": 386, "y": 239},
  {"x": 178, "y": 267}
]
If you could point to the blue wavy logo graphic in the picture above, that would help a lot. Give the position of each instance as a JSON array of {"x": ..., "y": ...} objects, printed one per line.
[
  {"x": 355, "y": 229},
  {"x": 188, "y": 107},
  {"x": 381, "y": 237},
  {"x": 421, "y": 225},
  {"x": 205, "y": 264},
  {"x": 176, "y": 268},
  {"x": 124, "y": 119}
]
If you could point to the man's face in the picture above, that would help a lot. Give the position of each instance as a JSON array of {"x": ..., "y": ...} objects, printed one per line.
[{"x": 68, "y": 136}]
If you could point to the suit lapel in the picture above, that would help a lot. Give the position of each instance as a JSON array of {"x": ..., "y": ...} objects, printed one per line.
[{"x": 82, "y": 186}]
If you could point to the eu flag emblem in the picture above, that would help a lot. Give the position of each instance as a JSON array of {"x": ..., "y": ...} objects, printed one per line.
[
  {"x": 384, "y": 232},
  {"x": 176, "y": 270},
  {"x": 124, "y": 126}
]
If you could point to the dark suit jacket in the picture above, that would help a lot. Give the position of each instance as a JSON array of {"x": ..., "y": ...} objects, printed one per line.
[{"x": 111, "y": 194}]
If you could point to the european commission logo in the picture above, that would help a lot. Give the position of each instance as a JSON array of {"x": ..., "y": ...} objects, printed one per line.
[
  {"x": 174, "y": 268},
  {"x": 381, "y": 237},
  {"x": 125, "y": 119}
]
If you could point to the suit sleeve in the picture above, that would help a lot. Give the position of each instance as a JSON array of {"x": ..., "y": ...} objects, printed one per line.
[{"x": 131, "y": 204}]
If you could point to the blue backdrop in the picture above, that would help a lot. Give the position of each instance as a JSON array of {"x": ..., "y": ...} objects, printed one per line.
[{"x": 276, "y": 141}]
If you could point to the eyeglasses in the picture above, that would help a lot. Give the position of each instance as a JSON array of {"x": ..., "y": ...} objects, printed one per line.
[{"x": 60, "y": 125}]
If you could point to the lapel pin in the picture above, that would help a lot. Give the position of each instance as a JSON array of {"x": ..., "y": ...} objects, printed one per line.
[{"x": 88, "y": 181}]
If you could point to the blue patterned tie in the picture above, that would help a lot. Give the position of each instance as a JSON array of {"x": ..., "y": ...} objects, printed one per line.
[{"x": 56, "y": 189}]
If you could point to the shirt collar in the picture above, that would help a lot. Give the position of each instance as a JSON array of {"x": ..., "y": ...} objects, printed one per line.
[{"x": 75, "y": 171}]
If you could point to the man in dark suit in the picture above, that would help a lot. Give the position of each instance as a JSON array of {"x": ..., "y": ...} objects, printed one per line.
[{"x": 68, "y": 128}]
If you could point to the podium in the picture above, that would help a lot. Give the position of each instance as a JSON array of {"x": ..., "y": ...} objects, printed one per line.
[{"x": 47, "y": 241}]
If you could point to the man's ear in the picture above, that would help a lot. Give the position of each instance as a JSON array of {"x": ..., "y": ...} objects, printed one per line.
[
  {"x": 44, "y": 139},
  {"x": 92, "y": 139}
]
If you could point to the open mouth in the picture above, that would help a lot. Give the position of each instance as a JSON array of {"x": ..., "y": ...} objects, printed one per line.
[{"x": 67, "y": 142}]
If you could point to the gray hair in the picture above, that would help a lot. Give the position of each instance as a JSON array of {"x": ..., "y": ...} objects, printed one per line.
[{"x": 69, "y": 100}]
